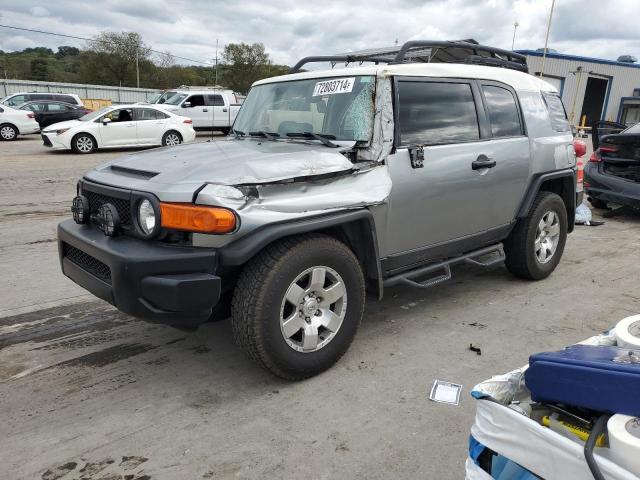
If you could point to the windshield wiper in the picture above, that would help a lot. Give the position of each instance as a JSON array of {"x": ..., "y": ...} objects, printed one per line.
[
  {"x": 268, "y": 135},
  {"x": 324, "y": 138}
]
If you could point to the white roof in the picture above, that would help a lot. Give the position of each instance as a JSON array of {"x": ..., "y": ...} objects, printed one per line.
[{"x": 518, "y": 80}]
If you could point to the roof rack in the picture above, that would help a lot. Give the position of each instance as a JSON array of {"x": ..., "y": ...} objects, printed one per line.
[{"x": 428, "y": 51}]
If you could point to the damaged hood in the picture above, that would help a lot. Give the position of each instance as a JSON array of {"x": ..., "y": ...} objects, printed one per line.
[{"x": 227, "y": 162}]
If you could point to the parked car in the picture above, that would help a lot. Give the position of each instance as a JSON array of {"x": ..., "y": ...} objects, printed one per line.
[
  {"x": 16, "y": 99},
  {"x": 613, "y": 171},
  {"x": 334, "y": 183},
  {"x": 120, "y": 126},
  {"x": 49, "y": 112},
  {"x": 16, "y": 122},
  {"x": 210, "y": 109}
]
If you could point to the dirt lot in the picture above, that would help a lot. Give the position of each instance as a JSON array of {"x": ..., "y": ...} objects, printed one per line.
[{"x": 87, "y": 392}]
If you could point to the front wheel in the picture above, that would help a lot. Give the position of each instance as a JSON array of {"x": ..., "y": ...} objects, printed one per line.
[
  {"x": 171, "y": 138},
  {"x": 298, "y": 304},
  {"x": 8, "y": 132},
  {"x": 83, "y": 143},
  {"x": 535, "y": 245}
]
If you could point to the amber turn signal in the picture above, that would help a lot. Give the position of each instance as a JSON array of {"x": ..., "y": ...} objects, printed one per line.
[{"x": 197, "y": 218}]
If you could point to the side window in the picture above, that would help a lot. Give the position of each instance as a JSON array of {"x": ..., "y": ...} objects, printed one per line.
[
  {"x": 436, "y": 113},
  {"x": 57, "y": 107},
  {"x": 196, "y": 100},
  {"x": 36, "y": 107},
  {"x": 503, "y": 112},
  {"x": 215, "y": 100},
  {"x": 17, "y": 100},
  {"x": 557, "y": 113},
  {"x": 121, "y": 115},
  {"x": 149, "y": 114},
  {"x": 66, "y": 99}
]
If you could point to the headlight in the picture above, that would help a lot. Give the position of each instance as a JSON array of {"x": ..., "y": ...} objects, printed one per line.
[
  {"x": 147, "y": 217},
  {"x": 61, "y": 131}
]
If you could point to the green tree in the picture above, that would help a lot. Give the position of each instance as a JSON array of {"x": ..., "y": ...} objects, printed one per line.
[
  {"x": 39, "y": 69},
  {"x": 115, "y": 53},
  {"x": 66, "y": 51},
  {"x": 244, "y": 64}
]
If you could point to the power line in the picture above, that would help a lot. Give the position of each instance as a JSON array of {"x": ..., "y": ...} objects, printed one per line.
[{"x": 93, "y": 40}]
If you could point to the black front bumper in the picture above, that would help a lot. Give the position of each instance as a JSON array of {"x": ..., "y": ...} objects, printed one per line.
[
  {"x": 149, "y": 280},
  {"x": 610, "y": 188}
]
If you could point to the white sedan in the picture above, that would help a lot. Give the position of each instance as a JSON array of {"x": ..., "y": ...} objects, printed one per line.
[
  {"x": 120, "y": 126},
  {"x": 16, "y": 122}
]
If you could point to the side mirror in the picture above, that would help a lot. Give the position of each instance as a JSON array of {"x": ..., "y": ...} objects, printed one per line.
[
  {"x": 186, "y": 105},
  {"x": 106, "y": 121}
]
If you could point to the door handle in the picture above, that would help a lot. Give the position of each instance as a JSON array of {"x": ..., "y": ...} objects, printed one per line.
[
  {"x": 224, "y": 109},
  {"x": 205, "y": 110},
  {"x": 483, "y": 162}
]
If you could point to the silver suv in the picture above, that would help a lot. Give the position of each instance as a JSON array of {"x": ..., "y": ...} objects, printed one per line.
[{"x": 334, "y": 184}]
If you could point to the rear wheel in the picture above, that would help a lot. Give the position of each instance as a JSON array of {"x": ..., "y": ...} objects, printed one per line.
[
  {"x": 298, "y": 304},
  {"x": 83, "y": 143},
  {"x": 535, "y": 245},
  {"x": 8, "y": 132},
  {"x": 171, "y": 138}
]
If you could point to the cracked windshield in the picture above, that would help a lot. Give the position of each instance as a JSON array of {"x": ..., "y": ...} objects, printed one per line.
[{"x": 338, "y": 108}]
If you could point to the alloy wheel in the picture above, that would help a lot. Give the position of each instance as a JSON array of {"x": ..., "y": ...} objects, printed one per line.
[
  {"x": 547, "y": 237},
  {"x": 313, "y": 309}
]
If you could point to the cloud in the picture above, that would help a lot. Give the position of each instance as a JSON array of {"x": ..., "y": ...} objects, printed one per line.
[{"x": 291, "y": 29}]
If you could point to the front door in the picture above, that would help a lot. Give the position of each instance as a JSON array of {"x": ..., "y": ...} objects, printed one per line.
[
  {"x": 196, "y": 108},
  {"x": 472, "y": 177},
  {"x": 120, "y": 131}
]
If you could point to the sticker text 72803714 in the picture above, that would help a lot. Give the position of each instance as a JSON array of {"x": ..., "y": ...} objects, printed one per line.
[{"x": 331, "y": 87}]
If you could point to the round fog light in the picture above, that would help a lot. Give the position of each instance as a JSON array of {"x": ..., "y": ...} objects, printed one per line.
[
  {"x": 80, "y": 209},
  {"x": 147, "y": 217}
]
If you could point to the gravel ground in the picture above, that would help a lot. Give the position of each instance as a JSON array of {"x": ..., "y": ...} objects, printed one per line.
[{"x": 88, "y": 392}]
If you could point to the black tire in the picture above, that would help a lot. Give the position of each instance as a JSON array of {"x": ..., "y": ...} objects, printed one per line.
[
  {"x": 522, "y": 260},
  {"x": 597, "y": 203},
  {"x": 168, "y": 136},
  {"x": 8, "y": 132},
  {"x": 83, "y": 143},
  {"x": 259, "y": 297}
]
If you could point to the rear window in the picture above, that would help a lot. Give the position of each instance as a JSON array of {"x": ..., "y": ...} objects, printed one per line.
[
  {"x": 434, "y": 113},
  {"x": 557, "y": 113}
]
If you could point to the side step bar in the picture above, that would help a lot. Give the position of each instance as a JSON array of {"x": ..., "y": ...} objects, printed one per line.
[{"x": 412, "y": 277}]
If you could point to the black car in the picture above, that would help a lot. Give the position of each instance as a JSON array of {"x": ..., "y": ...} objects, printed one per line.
[
  {"x": 48, "y": 112},
  {"x": 613, "y": 171}
]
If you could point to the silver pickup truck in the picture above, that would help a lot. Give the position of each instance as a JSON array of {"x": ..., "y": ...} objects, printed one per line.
[{"x": 334, "y": 184}]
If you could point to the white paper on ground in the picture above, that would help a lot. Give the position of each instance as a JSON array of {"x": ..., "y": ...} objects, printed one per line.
[{"x": 445, "y": 392}]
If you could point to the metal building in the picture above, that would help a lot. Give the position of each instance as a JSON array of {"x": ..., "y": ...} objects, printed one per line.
[
  {"x": 115, "y": 94},
  {"x": 592, "y": 89}
]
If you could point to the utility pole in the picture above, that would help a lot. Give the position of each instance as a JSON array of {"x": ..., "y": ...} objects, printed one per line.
[
  {"x": 216, "y": 81},
  {"x": 546, "y": 40},
  {"x": 513, "y": 41},
  {"x": 137, "y": 70}
]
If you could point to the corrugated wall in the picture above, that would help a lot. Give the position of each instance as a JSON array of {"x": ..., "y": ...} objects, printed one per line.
[
  {"x": 115, "y": 94},
  {"x": 623, "y": 81}
]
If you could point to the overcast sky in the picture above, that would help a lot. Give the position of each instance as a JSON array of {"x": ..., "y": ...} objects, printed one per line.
[{"x": 290, "y": 29}]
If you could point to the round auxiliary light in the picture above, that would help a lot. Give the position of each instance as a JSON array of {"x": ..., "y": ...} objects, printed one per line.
[
  {"x": 108, "y": 219},
  {"x": 80, "y": 209},
  {"x": 147, "y": 217}
]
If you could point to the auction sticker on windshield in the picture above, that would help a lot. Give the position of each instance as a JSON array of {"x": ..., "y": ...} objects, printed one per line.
[{"x": 331, "y": 87}]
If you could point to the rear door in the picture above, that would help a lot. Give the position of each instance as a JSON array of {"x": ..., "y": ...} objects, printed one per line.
[
  {"x": 151, "y": 125},
  {"x": 59, "y": 112},
  {"x": 220, "y": 109},
  {"x": 464, "y": 188},
  {"x": 197, "y": 110}
]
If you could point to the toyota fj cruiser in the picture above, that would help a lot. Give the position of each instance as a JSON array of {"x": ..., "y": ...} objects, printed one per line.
[{"x": 334, "y": 183}]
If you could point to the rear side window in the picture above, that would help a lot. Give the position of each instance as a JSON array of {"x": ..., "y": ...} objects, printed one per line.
[
  {"x": 65, "y": 98},
  {"x": 433, "y": 113},
  {"x": 503, "y": 111},
  {"x": 557, "y": 113},
  {"x": 150, "y": 114},
  {"x": 215, "y": 100},
  {"x": 57, "y": 107}
]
